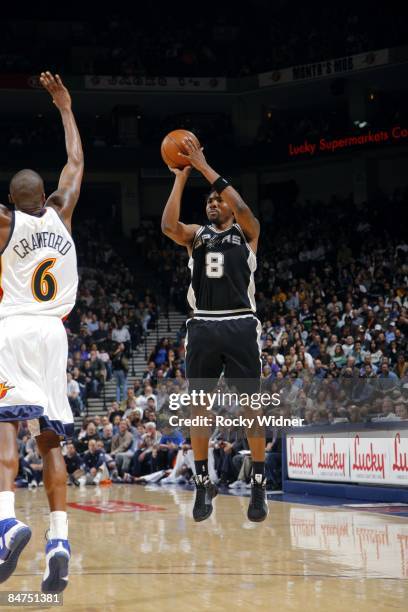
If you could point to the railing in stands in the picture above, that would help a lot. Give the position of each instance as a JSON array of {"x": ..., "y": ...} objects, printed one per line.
[{"x": 103, "y": 396}]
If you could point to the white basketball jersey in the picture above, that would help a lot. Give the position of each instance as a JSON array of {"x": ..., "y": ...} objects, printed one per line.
[{"x": 38, "y": 267}]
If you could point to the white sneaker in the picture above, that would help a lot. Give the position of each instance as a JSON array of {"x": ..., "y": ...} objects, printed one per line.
[
  {"x": 168, "y": 480},
  {"x": 33, "y": 485},
  {"x": 14, "y": 536},
  {"x": 237, "y": 484},
  {"x": 57, "y": 556}
]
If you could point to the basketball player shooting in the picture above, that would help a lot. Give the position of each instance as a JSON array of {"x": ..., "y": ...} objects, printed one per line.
[
  {"x": 38, "y": 273},
  {"x": 223, "y": 335}
]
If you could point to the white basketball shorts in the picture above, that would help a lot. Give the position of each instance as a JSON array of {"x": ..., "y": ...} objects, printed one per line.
[{"x": 33, "y": 380}]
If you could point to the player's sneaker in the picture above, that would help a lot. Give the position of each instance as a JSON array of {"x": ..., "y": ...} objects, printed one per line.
[
  {"x": 258, "y": 507},
  {"x": 205, "y": 493},
  {"x": 14, "y": 536},
  {"x": 73, "y": 480},
  {"x": 57, "y": 555}
]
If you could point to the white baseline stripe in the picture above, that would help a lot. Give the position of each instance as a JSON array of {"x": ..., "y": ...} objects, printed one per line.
[
  {"x": 199, "y": 311},
  {"x": 223, "y": 318}
]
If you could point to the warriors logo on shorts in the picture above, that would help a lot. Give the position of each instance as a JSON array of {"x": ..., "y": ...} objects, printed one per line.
[{"x": 4, "y": 389}]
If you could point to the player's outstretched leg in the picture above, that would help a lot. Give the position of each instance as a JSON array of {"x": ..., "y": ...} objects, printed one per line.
[
  {"x": 57, "y": 550},
  {"x": 14, "y": 535},
  {"x": 205, "y": 492}
]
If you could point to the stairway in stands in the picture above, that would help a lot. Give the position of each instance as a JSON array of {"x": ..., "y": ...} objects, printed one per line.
[{"x": 100, "y": 405}]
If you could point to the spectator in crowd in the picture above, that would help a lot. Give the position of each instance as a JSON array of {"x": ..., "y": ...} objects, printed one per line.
[
  {"x": 73, "y": 464},
  {"x": 33, "y": 467},
  {"x": 144, "y": 460},
  {"x": 106, "y": 437},
  {"x": 121, "y": 335},
  {"x": 121, "y": 448},
  {"x": 119, "y": 370},
  {"x": 90, "y": 433},
  {"x": 92, "y": 462},
  {"x": 74, "y": 395},
  {"x": 170, "y": 442}
]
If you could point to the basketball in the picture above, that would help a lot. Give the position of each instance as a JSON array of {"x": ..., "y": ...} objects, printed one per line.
[{"x": 172, "y": 145}]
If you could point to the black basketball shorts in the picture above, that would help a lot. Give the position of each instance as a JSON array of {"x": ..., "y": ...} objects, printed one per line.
[{"x": 228, "y": 346}]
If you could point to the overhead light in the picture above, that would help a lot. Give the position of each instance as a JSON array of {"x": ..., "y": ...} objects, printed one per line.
[{"x": 360, "y": 124}]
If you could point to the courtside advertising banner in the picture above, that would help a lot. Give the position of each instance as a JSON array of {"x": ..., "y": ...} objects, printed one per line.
[{"x": 355, "y": 457}]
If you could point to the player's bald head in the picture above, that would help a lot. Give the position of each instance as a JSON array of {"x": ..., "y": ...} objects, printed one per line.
[{"x": 27, "y": 190}]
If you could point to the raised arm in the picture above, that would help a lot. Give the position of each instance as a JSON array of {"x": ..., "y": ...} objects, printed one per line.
[
  {"x": 242, "y": 213},
  {"x": 170, "y": 224},
  {"x": 64, "y": 199}
]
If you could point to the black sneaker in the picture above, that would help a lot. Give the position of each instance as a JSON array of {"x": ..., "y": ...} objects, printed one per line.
[
  {"x": 74, "y": 481},
  {"x": 258, "y": 507},
  {"x": 205, "y": 493}
]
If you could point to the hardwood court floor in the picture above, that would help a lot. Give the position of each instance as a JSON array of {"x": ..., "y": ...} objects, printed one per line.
[{"x": 153, "y": 557}]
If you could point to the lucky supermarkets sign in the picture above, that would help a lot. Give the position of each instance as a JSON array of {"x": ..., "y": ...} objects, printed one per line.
[
  {"x": 397, "y": 134},
  {"x": 353, "y": 457}
]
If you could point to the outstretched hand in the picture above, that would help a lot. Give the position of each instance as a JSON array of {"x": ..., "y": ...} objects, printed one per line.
[
  {"x": 56, "y": 88},
  {"x": 195, "y": 154}
]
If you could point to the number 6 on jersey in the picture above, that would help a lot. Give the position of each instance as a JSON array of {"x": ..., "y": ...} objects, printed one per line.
[{"x": 44, "y": 285}]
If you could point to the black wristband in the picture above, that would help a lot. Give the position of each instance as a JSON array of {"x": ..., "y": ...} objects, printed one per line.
[{"x": 220, "y": 184}]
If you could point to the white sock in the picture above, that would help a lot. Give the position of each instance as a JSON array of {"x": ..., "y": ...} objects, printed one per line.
[
  {"x": 7, "y": 505},
  {"x": 58, "y": 525}
]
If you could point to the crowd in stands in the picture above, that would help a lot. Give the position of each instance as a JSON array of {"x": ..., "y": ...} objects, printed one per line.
[
  {"x": 259, "y": 37},
  {"x": 133, "y": 443},
  {"x": 332, "y": 296},
  {"x": 109, "y": 321}
]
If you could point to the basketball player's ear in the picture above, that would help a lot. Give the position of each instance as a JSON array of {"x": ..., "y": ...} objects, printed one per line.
[
  {"x": 43, "y": 198},
  {"x": 10, "y": 199}
]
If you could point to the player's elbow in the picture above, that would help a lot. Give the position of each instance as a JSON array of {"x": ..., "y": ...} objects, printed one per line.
[
  {"x": 167, "y": 229},
  {"x": 164, "y": 228},
  {"x": 76, "y": 161}
]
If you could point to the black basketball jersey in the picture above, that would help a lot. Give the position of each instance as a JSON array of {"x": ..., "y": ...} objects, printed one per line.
[{"x": 222, "y": 268}]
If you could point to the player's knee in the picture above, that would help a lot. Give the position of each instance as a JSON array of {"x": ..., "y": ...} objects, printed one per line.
[{"x": 8, "y": 459}]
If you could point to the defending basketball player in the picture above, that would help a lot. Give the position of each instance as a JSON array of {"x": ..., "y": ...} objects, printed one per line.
[
  {"x": 223, "y": 335},
  {"x": 38, "y": 274}
]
